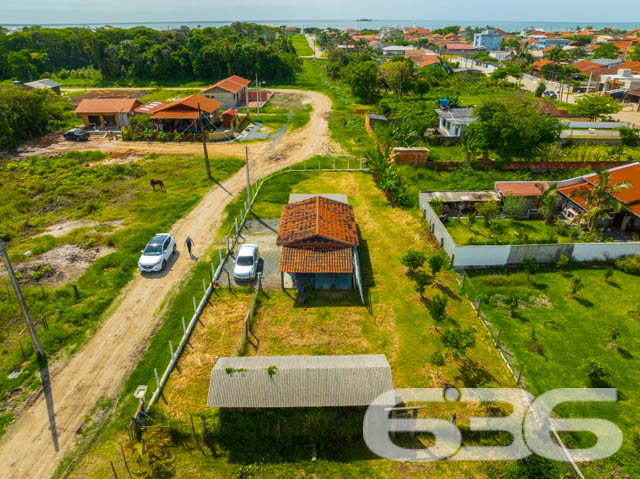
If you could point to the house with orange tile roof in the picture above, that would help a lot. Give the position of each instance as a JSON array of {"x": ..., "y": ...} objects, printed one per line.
[
  {"x": 187, "y": 114},
  {"x": 319, "y": 239},
  {"x": 575, "y": 191},
  {"x": 107, "y": 112},
  {"x": 231, "y": 91}
]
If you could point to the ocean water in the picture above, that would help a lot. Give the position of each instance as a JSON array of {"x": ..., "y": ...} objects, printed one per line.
[{"x": 373, "y": 24}]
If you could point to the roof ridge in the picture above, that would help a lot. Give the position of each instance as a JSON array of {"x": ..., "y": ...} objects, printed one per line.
[{"x": 318, "y": 215}]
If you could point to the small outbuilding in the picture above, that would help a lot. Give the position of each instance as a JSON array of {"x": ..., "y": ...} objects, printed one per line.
[
  {"x": 44, "y": 84},
  {"x": 531, "y": 190},
  {"x": 456, "y": 203},
  {"x": 229, "y": 118},
  {"x": 454, "y": 121},
  {"x": 299, "y": 381}
]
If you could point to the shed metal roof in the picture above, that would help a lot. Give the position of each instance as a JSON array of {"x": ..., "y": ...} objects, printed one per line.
[
  {"x": 298, "y": 381},
  {"x": 43, "y": 83},
  {"x": 458, "y": 196},
  {"x": 457, "y": 116}
]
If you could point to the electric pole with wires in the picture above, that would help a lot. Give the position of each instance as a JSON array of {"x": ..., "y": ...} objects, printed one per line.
[
  {"x": 204, "y": 142},
  {"x": 31, "y": 328}
]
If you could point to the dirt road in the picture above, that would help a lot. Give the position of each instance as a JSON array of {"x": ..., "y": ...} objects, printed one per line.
[
  {"x": 46, "y": 431},
  {"x": 311, "y": 40},
  {"x": 135, "y": 149}
]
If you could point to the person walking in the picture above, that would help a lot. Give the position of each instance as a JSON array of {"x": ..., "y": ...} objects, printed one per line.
[{"x": 189, "y": 242}]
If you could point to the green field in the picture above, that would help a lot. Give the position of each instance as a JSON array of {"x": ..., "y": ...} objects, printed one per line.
[
  {"x": 121, "y": 213},
  {"x": 553, "y": 333},
  {"x": 398, "y": 325},
  {"x": 301, "y": 45}
]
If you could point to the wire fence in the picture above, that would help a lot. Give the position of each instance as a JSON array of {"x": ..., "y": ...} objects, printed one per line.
[{"x": 511, "y": 363}]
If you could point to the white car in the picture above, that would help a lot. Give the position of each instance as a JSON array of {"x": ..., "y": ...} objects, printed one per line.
[
  {"x": 246, "y": 267},
  {"x": 157, "y": 253}
]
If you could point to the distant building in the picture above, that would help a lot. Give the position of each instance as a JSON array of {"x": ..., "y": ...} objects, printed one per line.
[
  {"x": 395, "y": 50},
  {"x": 107, "y": 112},
  {"x": 231, "y": 91},
  {"x": 44, "y": 84},
  {"x": 454, "y": 121},
  {"x": 489, "y": 39}
]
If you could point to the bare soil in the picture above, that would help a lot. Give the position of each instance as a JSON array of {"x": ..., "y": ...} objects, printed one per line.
[
  {"x": 100, "y": 368},
  {"x": 65, "y": 227},
  {"x": 63, "y": 264}
]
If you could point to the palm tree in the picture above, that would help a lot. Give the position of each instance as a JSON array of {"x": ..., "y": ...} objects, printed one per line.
[
  {"x": 601, "y": 199},
  {"x": 522, "y": 57},
  {"x": 548, "y": 201}
]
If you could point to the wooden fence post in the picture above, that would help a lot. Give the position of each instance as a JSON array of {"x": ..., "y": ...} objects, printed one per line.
[
  {"x": 171, "y": 350},
  {"x": 498, "y": 340},
  {"x": 520, "y": 375},
  {"x": 195, "y": 307},
  {"x": 204, "y": 286},
  {"x": 124, "y": 458}
]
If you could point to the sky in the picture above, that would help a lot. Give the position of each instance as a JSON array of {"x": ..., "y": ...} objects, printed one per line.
[{"x": 113, "y": 11}]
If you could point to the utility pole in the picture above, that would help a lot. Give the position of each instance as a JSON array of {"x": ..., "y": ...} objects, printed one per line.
[
  {"x": 246, "y": 155},
  {"x": 259, "y": 96},
  {"x": 33, "y": 332},
  {"x": 204, "y": 143}
]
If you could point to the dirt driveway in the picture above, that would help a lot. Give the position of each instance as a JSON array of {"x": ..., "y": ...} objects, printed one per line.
[
  {"x": 41, "y": 436},
  {"x": 313, "y": 138}
]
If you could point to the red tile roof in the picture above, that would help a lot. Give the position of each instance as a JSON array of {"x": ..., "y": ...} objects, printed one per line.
[
  {"x": 108, "y": 105},
  {"x": 525, "y": 188},
  {"x": 631, "y": 197},
  {"x": 187, "y": 108},
  {"x": 428, "y": 60},
  {"x": 317, "y": 218},
  {"x": 459, "y": 46},
  {"x": 150, "y": 108},
  {"x": 540, "y": 63},
  {"x": 230, "y": 112},
  {"x": 316, "y": 260},
  {"x": 233, "y": 84}
]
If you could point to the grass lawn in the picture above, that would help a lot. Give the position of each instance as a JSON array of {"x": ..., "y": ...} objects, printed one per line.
[
  {"x": 330, "y": 323},
  {"x": 553, "y": 334},
  {"x": 505, "y": 231},
  {"x": 124, "y": 213},
  {"x": 301, "y": 45},
  {"x": 345, "y": 126}
]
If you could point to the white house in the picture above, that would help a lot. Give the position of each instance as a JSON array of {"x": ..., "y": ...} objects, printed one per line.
[{"x": 231, "y": 91}]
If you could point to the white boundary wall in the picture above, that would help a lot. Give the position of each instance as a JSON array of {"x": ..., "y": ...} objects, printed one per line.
[{"x": 486, "y": 256}]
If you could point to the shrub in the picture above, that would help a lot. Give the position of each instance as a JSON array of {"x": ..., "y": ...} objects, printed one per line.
[
  {"x": 576, "y": 285},
  {"x": 608, "y": 273},
  {"x": 563, "y": 262},
  {"x": 437, "y": 204},
  {"x": 629, "y": 264},
  {"x": 413, "y": 259},
  {"x": 459, "y": 340},
  {"x": 488, "y": 210},
  {"x": 436, "y": 262},
  {"x": 438, "y": 308},
  {"x": 437, "y": 359},
  {"x": 614, "y": 333},
  {"x": 515, "y": 206},
  {"x": 596, "y": 372},
  {"x": 422, "y": 281},
  {"x": 530, "y": 266}
]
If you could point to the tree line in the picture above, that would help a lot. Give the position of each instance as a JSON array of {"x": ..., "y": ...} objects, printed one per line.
[{"x": 142, "y": 53}]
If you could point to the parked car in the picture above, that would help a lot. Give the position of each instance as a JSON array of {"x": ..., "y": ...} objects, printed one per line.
[
  {"x": 76, "y": 135},
  {"x": 550, "y": 94},
  {"x": 157, "y": 253},
  {"x": 246, "y": 267}
]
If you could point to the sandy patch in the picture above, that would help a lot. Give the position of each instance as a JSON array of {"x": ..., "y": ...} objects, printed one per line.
[
  {"x": 58, "y": 266},
  {"x": 66, "y": 227}
]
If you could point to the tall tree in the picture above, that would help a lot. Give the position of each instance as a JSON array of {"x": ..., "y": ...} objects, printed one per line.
[{"x": 606, "y": 50}]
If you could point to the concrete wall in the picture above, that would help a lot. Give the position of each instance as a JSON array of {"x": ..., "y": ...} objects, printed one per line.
[
  {"x": 484, "y": 256},
  {"x": 437, "y": 228}
]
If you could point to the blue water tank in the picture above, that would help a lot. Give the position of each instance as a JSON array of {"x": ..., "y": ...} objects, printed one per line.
[
  {"x": 16, "y": 82},
  {"x": 444, "y": 103}
]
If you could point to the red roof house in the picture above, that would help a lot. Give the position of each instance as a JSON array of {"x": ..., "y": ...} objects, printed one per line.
[
  {"x": 231, "y": 91},
  {"x": 319, "y": 240}
]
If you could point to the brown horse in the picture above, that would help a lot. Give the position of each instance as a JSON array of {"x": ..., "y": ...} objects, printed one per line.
[{"x": 158, "y": 183}]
